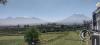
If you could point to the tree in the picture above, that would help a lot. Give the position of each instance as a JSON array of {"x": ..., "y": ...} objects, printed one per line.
[
  {"x": 32, "y": 36},
  {"x": 3, "y": 2},
  {"x": 87, "y": 24},
  {"x": 18, "y": 28}
]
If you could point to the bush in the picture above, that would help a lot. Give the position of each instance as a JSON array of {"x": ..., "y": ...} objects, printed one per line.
[{"x": 32, "y": 36}]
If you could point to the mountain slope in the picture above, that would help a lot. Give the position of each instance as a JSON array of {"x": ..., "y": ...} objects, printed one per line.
[
  {"x": 75, "y": 19},
  {"x": 21, "y": 21}
]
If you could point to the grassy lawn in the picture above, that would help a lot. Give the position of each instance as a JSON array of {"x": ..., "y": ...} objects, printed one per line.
[{"x": 57, "y": 38}]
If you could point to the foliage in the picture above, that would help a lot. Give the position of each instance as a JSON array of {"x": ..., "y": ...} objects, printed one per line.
[
  {"x": 3, "y": 1},
  {"x": 51, "y": 38},
  {"x": 31, "y": 35}
]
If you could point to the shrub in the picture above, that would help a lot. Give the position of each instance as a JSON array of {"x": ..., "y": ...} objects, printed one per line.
[{"x": 32, "y": 36}]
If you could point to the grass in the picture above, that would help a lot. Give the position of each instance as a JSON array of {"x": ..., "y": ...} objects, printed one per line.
[
  {"x": 12, "y": 40},
  {"x": 57, "y": 38},
  {"x": 66, "y": 39}
]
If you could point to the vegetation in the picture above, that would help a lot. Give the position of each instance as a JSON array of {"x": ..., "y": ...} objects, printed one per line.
[
  {"x": 18, "y": 29},
  {"x": 12, "y": 40},
  {"x": 51, "y": 38},
  {"x": 51, "y": 34},
  {"x": 32, "y": 36},
  {"x": 3, "y": 1},
  {"x": 61, "y": 27}
]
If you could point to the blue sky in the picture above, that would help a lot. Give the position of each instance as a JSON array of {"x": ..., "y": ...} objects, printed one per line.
[{"x": 49, "y": 10}]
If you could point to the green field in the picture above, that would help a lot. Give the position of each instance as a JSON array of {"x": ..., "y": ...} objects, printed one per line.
[{"x": 54, "y": 38}]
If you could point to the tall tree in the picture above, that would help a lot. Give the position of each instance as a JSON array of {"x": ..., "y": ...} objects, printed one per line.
[{"x": 3, "y": 2}]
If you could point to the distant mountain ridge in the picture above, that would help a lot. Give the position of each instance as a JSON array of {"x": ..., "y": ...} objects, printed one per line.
[
  {"x": 21, "y": 21},
  {"x": 74, "y": 19}
]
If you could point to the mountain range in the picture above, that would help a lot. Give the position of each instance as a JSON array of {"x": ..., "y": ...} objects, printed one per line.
[
  {"x": 21, "y": 21},
  {"x": 74, "y": 19}
]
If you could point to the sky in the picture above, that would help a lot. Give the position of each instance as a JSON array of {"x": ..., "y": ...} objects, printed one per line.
[{"x": 49, "y": 10}]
